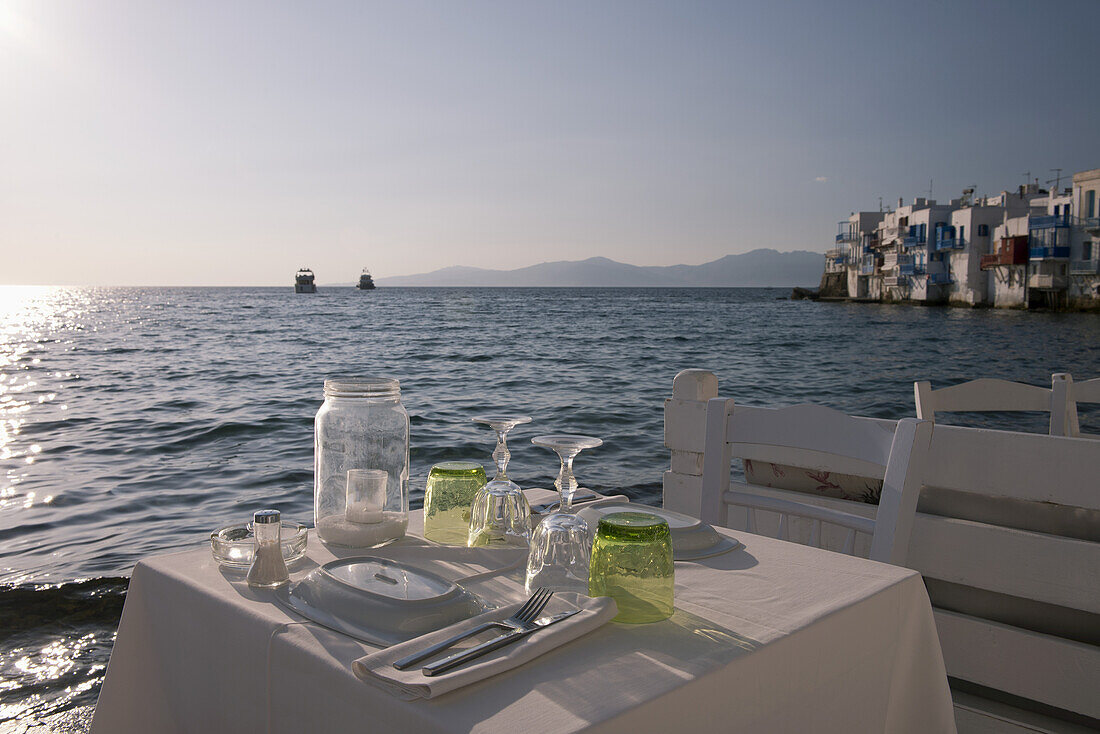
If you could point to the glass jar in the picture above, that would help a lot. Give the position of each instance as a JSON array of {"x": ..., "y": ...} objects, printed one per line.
[{"x": 361, "y": 462}]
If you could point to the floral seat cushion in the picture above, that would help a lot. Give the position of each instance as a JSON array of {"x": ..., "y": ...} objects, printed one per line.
[{"x": 811, "y": 481}]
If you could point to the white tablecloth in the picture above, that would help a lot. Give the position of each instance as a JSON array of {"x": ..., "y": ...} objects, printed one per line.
[{"x": 775, "y": 637}]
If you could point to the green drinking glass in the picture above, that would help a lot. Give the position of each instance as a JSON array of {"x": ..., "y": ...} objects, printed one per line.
[
  {"x": 632, "y": 563},
  {"x": 451, "y": 488}
]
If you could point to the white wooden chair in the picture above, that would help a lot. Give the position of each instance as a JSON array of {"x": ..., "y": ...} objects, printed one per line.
[
  {"x": 822, "y": 439},
  {"x": 981, "y": 396},
  {"x": 1066, "y": 395},
  {"x": 1008, "y": 541}
]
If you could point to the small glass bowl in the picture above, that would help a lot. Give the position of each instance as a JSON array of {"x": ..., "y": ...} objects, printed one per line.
[{"x": 234, "y": 545}]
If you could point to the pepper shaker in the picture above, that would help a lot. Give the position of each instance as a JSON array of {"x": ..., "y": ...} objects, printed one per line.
[{"x": 268, "y": 569}]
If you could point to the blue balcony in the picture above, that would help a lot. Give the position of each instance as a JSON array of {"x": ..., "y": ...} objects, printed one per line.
[
  {"x": 1049, "y": 222},
  {"x": 950, "y": 243},
  {"x": 1049, "y": 253},
  {"x": 839, "y": 260},
  {"x": 912, "y": 241},
  {"x": 911, "y": 269},
  {"x": 847, "y": 232},
  {"x": 940, "y": 279}
]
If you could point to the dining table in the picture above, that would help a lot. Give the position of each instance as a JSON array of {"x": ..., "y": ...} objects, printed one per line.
[{"x": 772, "y": 636}]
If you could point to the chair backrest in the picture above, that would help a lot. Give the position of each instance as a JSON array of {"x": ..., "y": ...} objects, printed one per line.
[
  {"x": 979, "y": 396},
  {"x": 1017, "y": 610},
  {"x": 822, "y": 439},
  {"x": 1007, "y": 537},
  {"x": 1066, "y": 395}
]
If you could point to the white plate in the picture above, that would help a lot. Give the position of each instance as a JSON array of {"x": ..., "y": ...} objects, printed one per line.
[
  {"x": 692, "y": 539},
  {"x": 377, "y": 600}
]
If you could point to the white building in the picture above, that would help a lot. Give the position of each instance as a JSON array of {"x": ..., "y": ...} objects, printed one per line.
[
  {"x": 854, "y": 241},
  {"x": 1084, "y": 266},
  {"x": 1019, "y": 249}
]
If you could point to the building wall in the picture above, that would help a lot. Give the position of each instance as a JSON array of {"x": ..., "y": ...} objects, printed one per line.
[
  {"x": 970, "y": 285},
  {"x": 923, "y": 291},
  {"x": 1083, "y": 291},
  {"x": 1087, "y": 206},
  {"x": 880, "y": 237},
  {"x": 1006, "y": 285},
  {"x": 1084, "y": 281}
]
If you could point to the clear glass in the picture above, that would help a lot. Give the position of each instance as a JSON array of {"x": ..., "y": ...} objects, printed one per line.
[
  {"x": 366, "y": 495},
  {"x": 362, "y": 426},
  {"x": 234, "y": 545},
  {"x": 500, "y": 513},
  {"x": 448, "y": 496},
  {"x": 632, "y": 563},
  {"x": 559, "y": 557}
]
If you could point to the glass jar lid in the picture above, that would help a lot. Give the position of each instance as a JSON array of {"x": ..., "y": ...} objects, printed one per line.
[{"x": 350, "y": 386}]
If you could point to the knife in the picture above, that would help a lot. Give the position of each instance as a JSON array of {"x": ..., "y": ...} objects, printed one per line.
[{"x": 496, "y": 643}]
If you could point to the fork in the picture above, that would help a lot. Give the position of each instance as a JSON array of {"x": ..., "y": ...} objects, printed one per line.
[{"x": 522, "y": 616}]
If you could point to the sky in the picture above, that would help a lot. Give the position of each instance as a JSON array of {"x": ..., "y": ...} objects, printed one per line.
[{"x": 187, "y": 142}]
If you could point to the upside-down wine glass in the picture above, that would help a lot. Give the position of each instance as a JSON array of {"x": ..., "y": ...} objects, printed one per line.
[
  {"x": 559, "y": 555},
  {"x": 500, "y": 514}
]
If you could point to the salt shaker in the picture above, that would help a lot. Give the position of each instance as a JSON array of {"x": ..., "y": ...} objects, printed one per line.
[{"x": 268, "y": 569}]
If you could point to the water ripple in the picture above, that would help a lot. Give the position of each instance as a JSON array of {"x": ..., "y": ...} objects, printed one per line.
[{"x": 135, "y": 420}]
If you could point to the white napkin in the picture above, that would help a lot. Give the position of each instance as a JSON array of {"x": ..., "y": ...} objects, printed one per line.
[{"x": 377, "y": 668}]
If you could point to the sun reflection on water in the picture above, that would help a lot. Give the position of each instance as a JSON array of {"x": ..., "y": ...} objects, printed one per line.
[
  {"x": 49, "y": 679},
  {"x": 31, "y": 316}
]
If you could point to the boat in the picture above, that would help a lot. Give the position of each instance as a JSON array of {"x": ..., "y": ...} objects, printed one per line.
[
  {"x": 303, "y": 281},
  {"x": 366, "y": 283}
]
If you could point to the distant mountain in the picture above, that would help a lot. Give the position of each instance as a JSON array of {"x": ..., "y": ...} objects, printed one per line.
[{"x": 756, "y": 268}]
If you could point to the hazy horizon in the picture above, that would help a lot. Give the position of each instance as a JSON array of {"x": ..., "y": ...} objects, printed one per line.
[
  {"x": 351, "y": 281},
  {"x": 200, "y": 143}
]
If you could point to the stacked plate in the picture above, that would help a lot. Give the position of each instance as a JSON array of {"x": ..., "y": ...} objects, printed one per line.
[
  {"x": 377, "y": 600},
  {"x": 692, "y": 539}
]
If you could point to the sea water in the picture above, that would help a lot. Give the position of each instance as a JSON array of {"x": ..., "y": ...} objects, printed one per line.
[{"x": 134, "y": 421}]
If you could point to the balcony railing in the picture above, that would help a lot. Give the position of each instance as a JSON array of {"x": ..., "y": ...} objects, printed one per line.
[
  {"x": 1084, "y": 267},
  {"x": 1049, "y": 253},
  {"x": 1091, "y": 223},
  {"x": 950, "y": 243},
  {"x": 1047, "y": 281},
  {"x": 1012, "y": 251},
  {"x": 910, "y": 268},
  {"x": 940, "y": 279},
  {"x": 1049, "y": 221},
  {"x": 892, "y": 280},
  {"x": 912, "y": 241},
  {"x": 847, "y": 232}
]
